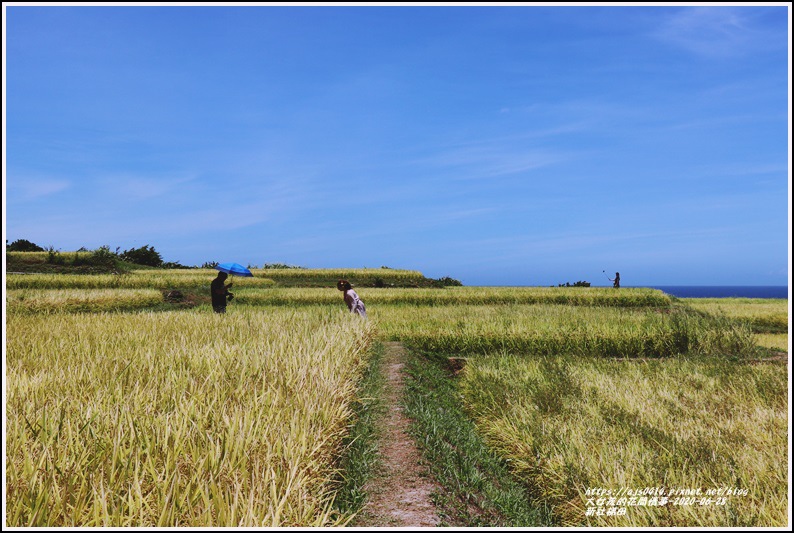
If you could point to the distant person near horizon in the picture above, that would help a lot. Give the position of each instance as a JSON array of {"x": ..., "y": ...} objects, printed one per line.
[
  {"x": 352, "y": 300},
  {"x": 616, "y": 281},
  {"x": 220, "y": 292}
]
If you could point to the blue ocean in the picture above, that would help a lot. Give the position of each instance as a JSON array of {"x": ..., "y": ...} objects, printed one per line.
[{"x": 717, "y": 291}]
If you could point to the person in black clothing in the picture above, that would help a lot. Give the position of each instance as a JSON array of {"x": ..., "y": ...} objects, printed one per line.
[
  {"x": 220, "y": 292},
  {"x": 616, "y": 281}
]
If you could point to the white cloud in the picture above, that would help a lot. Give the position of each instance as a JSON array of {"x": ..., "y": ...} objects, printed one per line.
[
  {"x": 721, "y": 31},
  {"x": 135, "y": 187},
  {"x": 34, "y": 187},
  {"x": 491, "y": 159}
]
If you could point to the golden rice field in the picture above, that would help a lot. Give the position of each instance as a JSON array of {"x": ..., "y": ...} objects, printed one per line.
[
  {"x": 41, "y": 257},
  {"x": 741, "y": 307},
  {"x": 178, "y": 418},
  {"x": 136, "y": 279},
  {"x": 773, "y": 341},
  {"x": 70, "y": 300},
  {"x": 533, "y": 330},
  {"x": 122, "y": 412},
  {"x": 767, "y": 315},
  {"x": 456, "y": 296},
  {"x": 569, "y": 425},
  {"x": 200, "y": 277},
  {"x": 329, "y": 276}
]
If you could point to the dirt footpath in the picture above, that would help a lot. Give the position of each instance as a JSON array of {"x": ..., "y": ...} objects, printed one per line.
[{"x": 400, "y": 495}]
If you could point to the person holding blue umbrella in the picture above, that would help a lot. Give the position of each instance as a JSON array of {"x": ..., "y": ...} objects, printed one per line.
[
  {"x": 220, "y": 292},
  {"x": 235, "y": 269}
]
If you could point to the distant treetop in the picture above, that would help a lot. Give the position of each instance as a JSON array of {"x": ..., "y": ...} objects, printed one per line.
[
  {"x": 279, "y": 265},
  {"x": 23, "y": 245}
]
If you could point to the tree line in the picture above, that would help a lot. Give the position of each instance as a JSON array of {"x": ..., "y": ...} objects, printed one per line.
[{"x": 146, "y": 255}]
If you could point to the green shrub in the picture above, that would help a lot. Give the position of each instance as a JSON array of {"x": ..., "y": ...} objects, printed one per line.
[{"x": 145, "y": 255}]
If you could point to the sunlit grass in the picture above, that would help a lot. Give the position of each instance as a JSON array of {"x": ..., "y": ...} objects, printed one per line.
[
  {"x": 136, "y": 279},
  {"x": 201, "y": 278},
  {"x": 765, "y": 315},
  {"x": 450, "y": 296},
  {"x": 178, "y": 419},
  {"x": 42, "y": 257},
  {"x": 386, "y": 276},
  {"x": 70, "y": 300},
  {"x": 555, "y": 329},
  {"x": 331, "y": 275},
  {"x": 571, "y": 424},
  {"x": 773, "y": 341},
  {"x": 195, "y": 419}
]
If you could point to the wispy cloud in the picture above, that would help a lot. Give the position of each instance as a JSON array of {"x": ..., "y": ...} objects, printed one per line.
[
  {"x": 718, "y": 32},
  {"x": 25, "y": 188},
  {"x": 578, "y": 116},
  {"x": 745, "y": 169},
  {"x": 714, "y": 123},
  {"x": 100, "y": 226},
  {"x": 584, "y": 244},
  {"x": 243, "y": 215},
  {"x": 490, "y": 158},
  {"x": 136, "y": 187}
]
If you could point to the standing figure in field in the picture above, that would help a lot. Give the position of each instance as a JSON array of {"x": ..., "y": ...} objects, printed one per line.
[
  {"x": 616, "y": 281},
  {"x": 220, "y": 292},
  {"x": 352, "y": 300}
]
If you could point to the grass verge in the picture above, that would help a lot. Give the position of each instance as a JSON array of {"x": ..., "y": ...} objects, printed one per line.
[
  {"x": 360, "y": 460},
  {"x": 479, "y": 490}
]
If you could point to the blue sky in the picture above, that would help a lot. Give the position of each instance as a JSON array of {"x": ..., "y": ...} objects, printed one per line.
[{"x": 498, "y": 145}]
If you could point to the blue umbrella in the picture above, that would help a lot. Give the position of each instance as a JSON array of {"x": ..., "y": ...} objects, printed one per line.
[{"x": 235, "y": 269}]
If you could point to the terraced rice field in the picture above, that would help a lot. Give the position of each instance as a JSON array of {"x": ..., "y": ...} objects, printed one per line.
[{"x": 125, "y": 409}]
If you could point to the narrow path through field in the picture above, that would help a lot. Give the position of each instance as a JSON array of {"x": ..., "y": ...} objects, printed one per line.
[{"x": 400, "y": 495}]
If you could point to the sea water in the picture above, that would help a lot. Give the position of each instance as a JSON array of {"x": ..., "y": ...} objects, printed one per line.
[{"x": 721, "y": 291}]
